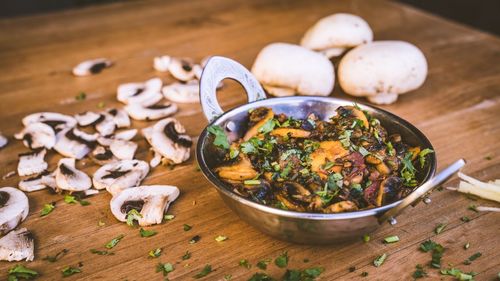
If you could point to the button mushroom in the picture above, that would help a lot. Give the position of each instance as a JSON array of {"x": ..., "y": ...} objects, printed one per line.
[
  {"x": 69, "y": 178},
  {"x": 286, "y": 69},
  {"x": 92, "y": 66},
  {"x": 121, "y": 135},
  {"x": 152, "y": 112},
  {"x": 17, "y": 245},
  {"x": 150, "y": 201},
  {"x": 382, "y": 70},
  {"x": 120, "y": 117},
  {"x": 169, "y": 138},
  {"x": 37, "y": 135},
  {"x": 120, "y": 175},
  {"x": 145, "y": 94},
  {"x": 183, "y": 93},
  {"x": 75, "y": 143},
  {"x": 87, "y": 118},
  {"x": 14, "y": 208},
  {"x": 55, "y": 120},
  {"x": 333, "y": 34},
  {"x": 32, "y": 162}
]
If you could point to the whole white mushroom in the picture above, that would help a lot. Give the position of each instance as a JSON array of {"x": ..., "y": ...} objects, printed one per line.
[
  {"x": 285, "y": 69},
  {"x": 382, "y": 70},
  {"x": 333, "y": 34}
]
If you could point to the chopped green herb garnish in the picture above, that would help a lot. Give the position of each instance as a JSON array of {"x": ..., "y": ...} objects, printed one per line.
[
  {"x": 187, "y": 227},
  {"x": 380, "y": 260},
  {"x": 133, "y": 215},
  {"x": 233, "y": 153},
  {"x": 69, "y": 270},
  {"x": 47, "y": 209},
  {"x": 155, "y": 253},
  {"x": 262, "y": 264},
  {"x": 282, "y": 260},
  {"x": 164, "y": 268},
  {"x": 101, "y": 253},
  {"x": 268, "y": 126},
  {"x": 111, "y": 244},
  {"x": 245, "y": 263},
  {"x": 81, "y": 96},
  {"x": 366, "y": 238},
  {"x": 70, "y": 199},
  {"x": 391, "y": 239},
  {"x": 186, "y": 256},
  {"x": 439, "y": 228},
  {"x": 465, "y": 219},
  {"x": 473, "y": 207},
  {"x": 437, "y": 254},
  {"x": 220, "y": 238},
  {"x": 419, "y": 272},
  {"x": 457, "y": 273},
  {"x": 204, "y": 272},
  {"x": 147, "y": 233},
  {"x": 299, "y": 275},
  {"x": 21, "y": 272},
  {"x": 101, "y": 223},
  {"x": 169, "y": 217},
  {"x": 408, "y": 170},
  {"x": 261, "y": 276},
  {"x": 84, "y": 202},
  {"x": 422, "y": 154},
  {"x": 220, "y": 136},
  {"x": 57, "y": 256},
  {"x": 428, "y": 245},
  {"x": 228, "y": 277},
  {"x": 472, "y": 258}
]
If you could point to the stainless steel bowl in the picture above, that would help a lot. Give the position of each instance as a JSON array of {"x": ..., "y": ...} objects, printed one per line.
[{"x": 309, "y": 228}]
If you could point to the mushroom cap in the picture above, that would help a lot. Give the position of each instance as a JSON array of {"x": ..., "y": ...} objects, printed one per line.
[
  {"x": 153, "y": 200},
  {"x": 169, "y": 139},
  {"x": 338, "y": 31},
  {"x": 69, "y": 178},
  {"x": 120, "y": 117},
  {"x": 120, "y": 175},
  {"x": 35, "y": 183},
  {"x": 381, "y": 70},
  {"x": 294, "y": 67},
  {"x": 17, "y": 245},
  {"x": 37, "y": 135},
  {"x": 14, "y": 208}
]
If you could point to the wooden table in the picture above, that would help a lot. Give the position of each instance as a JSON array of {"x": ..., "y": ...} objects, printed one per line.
[{"x": 458, "y": 108}]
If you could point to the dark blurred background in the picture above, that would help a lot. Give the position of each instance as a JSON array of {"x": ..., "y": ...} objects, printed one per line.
[{"x": 481, "y": 14}]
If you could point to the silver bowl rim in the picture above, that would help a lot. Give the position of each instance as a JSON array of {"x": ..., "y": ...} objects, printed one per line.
[{"x": 219, "y": 185}]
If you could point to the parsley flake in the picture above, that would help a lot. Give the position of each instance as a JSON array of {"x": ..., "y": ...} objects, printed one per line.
[
  {"x": 164, "y": 268},
  {"x": 147, "y": 233},
  {"x": 81, "y": 96},
  {"x": 101, "y": 253},
  {"x": 439, "y": 228},
  {"x": 111, "y": 244},
  {"x": 366, "y": 238},
  {"x": 220, "y": 136},
  {"x": 282, "y": 260},
  {"x": 47, "y": 209},
  {"x": 70, "y": 199},
  {"x": 187, "y": 227},
  {"x": 155, "y": 253},
  {"x": 220, "y": 238},
  {"x": 419, "y": 272},
  {"x": 391, "y": 239},
  {"x": 472, "y": 258},
  {"x": 245, "y": 263},
  {"x": 380, "y": 260},
  {"x": 186, "y": 256},
  {"x": 133, "y": 215},
  {"x": 204, "y": 272},
  {"x": 19, "y": 271},
  {"x": 57, "y": 256},
  {"x": 69, "y": 270},
  {"x": 169, "y": 217},
  {"x": 263, "y": 264}
]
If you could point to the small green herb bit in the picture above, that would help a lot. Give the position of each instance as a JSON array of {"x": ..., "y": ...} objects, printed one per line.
[
  {"x": 220, "y": 136},
  {"x": 472, "y": 258},
  {"x": 81, "y": 96},
  {"x": 366, "y": 238},
  {"x": 228, "y": 277},
  {"x": 428, "y": 245},
  {"x": 245, "y": 263},
  {"x": 419, "y": 272},
  {"x": 262, "y": 264},
  {"x": 473, "y": 207},
  {"x": 364, "y": 274},
  {"x": 147, "y": 233},
  {"x": 457, "y": 273},
  {"x": 465, "y": 219},
  {"x": 422, "y": 154},
  {"x": 70, "y": 199},
  {"x": 47, "y": 209},
  {"x": 220, "y": 238},
  {"x": 186, "y": 256},
  {"x": 155, "y": 253},
  {"x": 204, "y": 272},
  {"x": 282, "y": 260},
  {"x": 169, "y": 217},
  {"x": 111, "y": 244},
  {"x": 261, "y": 276},
  {"x": 101, "y": 104},
  {"x": 380, "y": 260},
  {"x": 133, "y": 215},
  {"x": 69, "y": 270},
  {"x": 20, "y": 272},
  {"x": 251, "y": 182},
  {"x": 439, "y": 228},
  {"x": 391, "y": 239},
  {"x": 101, "y": 253},
  {"x": 57, "y": 256},
  {"x": 164, "y": 268}
]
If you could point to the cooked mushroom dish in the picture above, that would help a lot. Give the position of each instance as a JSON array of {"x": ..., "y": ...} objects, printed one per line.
[{"x": 346, "y": 163}]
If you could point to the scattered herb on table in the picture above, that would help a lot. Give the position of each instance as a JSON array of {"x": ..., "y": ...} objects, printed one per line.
[
  {"x": 84, "y": 202},
  {"x": 380, "y": 260},
  {"x": 204, "y": 272},
  {"x": 473, "y": 207},
  {"x": 245, "y": 263},
  {"x": 186, "y": 256},
  {"x": 155, "y": 253},
  {"x": 164, "y": 268},
  {"x": 472, "y": 258},
  {"x": 437, "y": 252},
  {"x": 220, "y": 139},
  {"x": 81, "y": 96},
  {"x": 111, "y": 244},
  {"x": 457, "y": 273},
  {"x": 133, "y": 215},
  {"x": 364, "y": 274},
  {"x": 187, "y": 227},
  {"x": 21, "y": 272},
  {"x": 169, "y": 217},
  {"x": 101, "y": 223},
  {"x": 366, "y": 238},
  {"x": 419, "y": 272},
  {"x": 306, "y": 274},
  {"x": 391, "y": 239},
  {"x": 352, "y": 269},
  {"x": 147, "y": 233},
  {"x": 220, "y": 238},
  {"x": 439, "y": 228},
  {"x": 195, "y": 239},
  {"x": 305, "y": 260},
  {"x": 262, "y": 264},
  {"x": 69, "y": 270},
  {"x": 465, "y": 219},
  {"x": 70, "y": 199},
  {"x": 282, "y": 260},
  {"x": 488, "y": 158},
  {"x": 261, "y": 276},
  {"x": 57, "y": 256},
  {"x": 47, "y": 209},
  {"x": 101, "y": 253},
  {"x": 228, "y": 277}
]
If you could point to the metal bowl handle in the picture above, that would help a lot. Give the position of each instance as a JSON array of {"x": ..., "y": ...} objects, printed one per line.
[
  {"x": 218, "y": 69},
  {"x": 422, "y": 190}
]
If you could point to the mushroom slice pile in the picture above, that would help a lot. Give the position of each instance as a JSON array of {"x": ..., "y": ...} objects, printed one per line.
[
  {"x": 169, "y": 139},
  {"x": 31, "y": 163},
  {"x": 145, "y": 94},
  {"x": 120, "y": 175},
  {"x": 153, "y": 112},
  {"x": 17, "y": 245},
  {"x": 102, "y": 155},
  {"x": 122, "y": 135},
  {"x": 75, "y": 143},
  {"x": 38, "y": 182},
  {"x": 3, "y": 140},
  {"x": 14, "y": 208},
  {"x": 183, "y": 92},
  {"x": 183, "y": 69},
  {"x": 87, "y": 118},
  {"x": 333, "y": 34},
  {"x": 123, "y": 149},
  {"x": 150, "y": 201},
  {"x": 69, "y": 178},
  {"x": 92, "y": 66},
  {"x": 55, "y": 120},
  {"x": 37, "y": 135}
]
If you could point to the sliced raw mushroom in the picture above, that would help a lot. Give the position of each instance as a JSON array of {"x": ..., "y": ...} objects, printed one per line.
[
  {"x": 92, "y": 66},
  {"x": 123, "y": 149},
  {"x": 75, "y": 143},
  {"x": 105, "y": 125},
  {"x": 121, "y": 135},
  {"x": 55, "y": 120},
  {"x": 183, "y": 92},
  {"x": 14, "y": 208},
  {"x": 31, "y": 163},
  {"x": 333, "y": 34},
  {"x": 120, "y": 175},
  {"x": 145, "y": 94},
  {"x": 285, "y": 68},
  {"x": 183, "y": 69},
  {"x": 69, "y": 178},
  {"x": 3, "y": 140},
  {"x": 17, "y": 245},
  {"x": 162, "y": 63},
  {"x": 169, "y": 139},
  {"x": 150, "y": 201},
  {"x": 156, "y": 160},
  {"x": 153, "y": 112},
  {"x": 87, "y": 118},
  {"x": 38, "y": 182},
  {"x": 102, "y": 155},
  {"x": 120, "y": 117},
  {"x": 37, "y": 135}
]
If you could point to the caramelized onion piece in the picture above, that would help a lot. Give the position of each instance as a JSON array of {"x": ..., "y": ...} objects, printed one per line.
[
  {"x": 240, "y": 171},
  {"x": 263, "y": 115},
  {"x": 294, "y": 133}
]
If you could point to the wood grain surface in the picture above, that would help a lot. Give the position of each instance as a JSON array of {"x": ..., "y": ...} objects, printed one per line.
[{"x": 458, "y": 108}]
